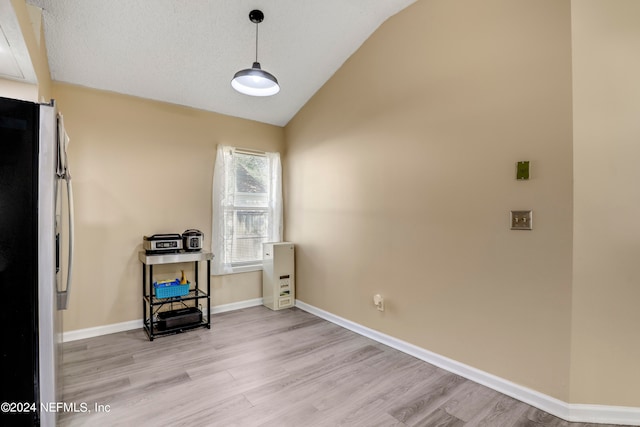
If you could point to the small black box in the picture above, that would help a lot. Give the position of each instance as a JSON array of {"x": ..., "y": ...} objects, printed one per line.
[{"x": 177, "y": 318}]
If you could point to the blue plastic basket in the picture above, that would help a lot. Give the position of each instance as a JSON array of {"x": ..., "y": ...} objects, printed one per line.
[{"x": 171, "y": 289}]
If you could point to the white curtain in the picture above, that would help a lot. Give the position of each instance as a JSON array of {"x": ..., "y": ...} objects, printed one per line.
[
  {"x": 275, "y": 198},
  {"x": 223, "y": 198},
  {"x": 223, "y": 201}
]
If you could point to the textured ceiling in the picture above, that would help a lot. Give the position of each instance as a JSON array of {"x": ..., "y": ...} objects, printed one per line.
[{"x": 186, "y": 51}]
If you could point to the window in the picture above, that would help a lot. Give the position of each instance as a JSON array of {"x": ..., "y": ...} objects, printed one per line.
[{"x": 247, "y": 207}]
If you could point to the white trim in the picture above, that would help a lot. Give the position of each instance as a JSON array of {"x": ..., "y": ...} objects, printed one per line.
[
  {"x": 567, "y": 411},
  {"x": 604, "y": 414},
  {"x": 97, "y": 331},
  {"x": 246, "y": 268}
]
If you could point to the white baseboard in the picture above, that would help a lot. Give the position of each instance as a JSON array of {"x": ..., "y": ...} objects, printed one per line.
[
  {"x": 97, "y": 331},
  {"x": 567, "y": 411},
  {"x": 137, "y": 324}
]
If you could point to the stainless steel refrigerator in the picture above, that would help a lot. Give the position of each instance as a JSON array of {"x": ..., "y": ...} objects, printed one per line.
[{"x": 35, "y": 226}]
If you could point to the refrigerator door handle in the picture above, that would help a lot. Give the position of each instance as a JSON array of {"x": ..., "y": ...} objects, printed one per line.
[
  {"x": 65, "y": 174},
  {"x": 63, "y": 296}
]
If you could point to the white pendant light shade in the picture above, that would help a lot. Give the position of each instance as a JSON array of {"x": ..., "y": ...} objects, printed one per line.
[{"x": 255, "y": 82}]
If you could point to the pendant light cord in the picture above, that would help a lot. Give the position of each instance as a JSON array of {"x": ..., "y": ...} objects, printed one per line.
[{"x": 256, "y": 42}]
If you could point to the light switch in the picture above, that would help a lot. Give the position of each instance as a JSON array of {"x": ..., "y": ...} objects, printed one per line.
[{"x": 522, "y": 220}]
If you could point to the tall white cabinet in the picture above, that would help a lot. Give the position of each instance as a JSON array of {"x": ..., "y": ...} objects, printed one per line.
[{"x": 278, "y": 275}]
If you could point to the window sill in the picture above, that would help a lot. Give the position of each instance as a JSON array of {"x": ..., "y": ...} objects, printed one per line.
[
  {"x": 241, "y": 269},
  {"x": 247, "y": 268}
]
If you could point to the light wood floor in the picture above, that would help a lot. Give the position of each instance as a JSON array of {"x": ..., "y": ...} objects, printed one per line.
[{"x": 256, "y": 367}]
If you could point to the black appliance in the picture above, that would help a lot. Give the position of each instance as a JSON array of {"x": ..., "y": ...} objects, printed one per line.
[
  {"x": 162, "y": 243},
  {"x": 33, "y": 179},
  {"x": 177, "y": 318}
]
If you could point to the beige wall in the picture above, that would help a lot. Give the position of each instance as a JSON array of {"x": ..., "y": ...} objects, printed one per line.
[
  {"x": 401, "y": 175},
  {"x": 606, "y": 289},
  {"x": 141, "y": 167},
  {"x": 18, "y": 90}
]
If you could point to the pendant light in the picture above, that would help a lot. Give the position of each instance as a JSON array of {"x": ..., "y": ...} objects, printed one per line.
[{"x": 255, "y": 81}]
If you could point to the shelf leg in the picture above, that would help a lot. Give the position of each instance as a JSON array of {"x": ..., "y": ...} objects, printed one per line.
[
  {"x": 150, "y": 303},
  {"x": 196, "y": 272},
  {"x": 195, "y": 281},
  {"x": 208, "y": 294},
  {"x": 144, "y": 302}
]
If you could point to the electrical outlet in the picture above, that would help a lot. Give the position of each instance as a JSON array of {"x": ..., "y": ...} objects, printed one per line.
[
  {"x": 378, "y": 301},
  {"x": 522, "y": 220}
]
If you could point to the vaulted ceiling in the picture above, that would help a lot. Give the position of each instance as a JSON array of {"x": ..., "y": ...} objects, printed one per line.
[{"x": 186, "y": 51}]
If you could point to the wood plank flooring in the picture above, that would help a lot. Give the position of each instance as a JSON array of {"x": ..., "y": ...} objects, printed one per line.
[{"x": 257, "y": 367}]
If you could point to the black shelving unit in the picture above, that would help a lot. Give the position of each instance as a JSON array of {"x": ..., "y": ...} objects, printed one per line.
[{"x": 151, "y": 305}]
